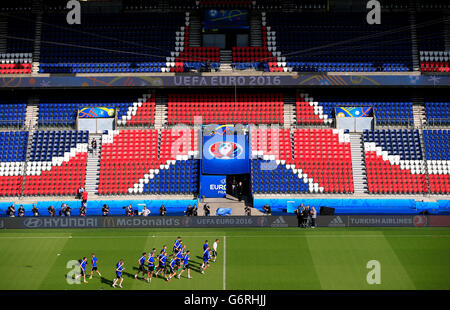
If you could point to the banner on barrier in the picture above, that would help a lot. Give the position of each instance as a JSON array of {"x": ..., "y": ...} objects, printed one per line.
[
  {"x": 213, "y": 186},
  {"x": 222, "y": 221},
  {"x": 354, "y": 112},
  {"x": 96, "y": 112}
]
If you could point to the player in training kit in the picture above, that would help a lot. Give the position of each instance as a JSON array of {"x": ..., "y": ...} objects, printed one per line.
[
  {"x": 180, "y": 246},
  {"x": 94, "y": 266},
  {"x": 185, "y": 265},
  {"x": 164, "y": 249},
  {"x": 141, "y": 267},
  {"x": 119, "y": 270},
  {"x": 173, "y": 268},
  {"x": 205, "y": 245},
  {"x": 83, "y": 269},
  {"x": 150, "y": 265},
  {"x": 176, "y": 244},
  {"x": 214, "y": 250},
  {"x": 206, "y": 258},
  {"x": 162, "y": 264}
]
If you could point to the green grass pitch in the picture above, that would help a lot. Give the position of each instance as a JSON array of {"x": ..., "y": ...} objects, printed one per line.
[{"x": 249, "y": 259}]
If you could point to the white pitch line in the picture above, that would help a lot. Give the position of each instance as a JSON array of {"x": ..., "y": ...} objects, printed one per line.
[
  {"x": 237, "y": 236},
  {"x": 224, "y": 262}
]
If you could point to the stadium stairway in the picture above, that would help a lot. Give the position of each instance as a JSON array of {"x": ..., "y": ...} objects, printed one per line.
[
  {"x": 412, "y": 8},
  {"x": 255, "y": 29},
  {"x": 359, "y": 172},
  {"x": 425, "y": 161},
  {"x": 37, "y": 10},
  {"x": 3, "y": 34},
  {"x": 93, "y": 166},
  {"x": 195, "y": 28},
  {"x": 447, "y": 33},
  {"x": 419, "y": 115},
  {"x": 31, "y": 115},
  {"x": 226, "y": 59},
  {"x": 161, "y": 108},
  {"x": 289, "y": 109}
]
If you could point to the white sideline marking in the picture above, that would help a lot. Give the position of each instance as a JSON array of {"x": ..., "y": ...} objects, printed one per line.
[
  {"x": 224, "y": 262},
  {"x": 243, "y": 236}
]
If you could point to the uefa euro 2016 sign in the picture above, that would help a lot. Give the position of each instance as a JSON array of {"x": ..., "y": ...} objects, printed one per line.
[{"x": 225, "y": 153}]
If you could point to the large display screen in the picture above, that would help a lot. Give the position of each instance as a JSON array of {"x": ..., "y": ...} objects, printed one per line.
[{"x": 225, "y": 151}]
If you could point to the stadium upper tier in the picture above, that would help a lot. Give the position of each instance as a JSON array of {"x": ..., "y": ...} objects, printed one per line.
[
  {"x": 338, "y": 42},
  {"x": 121, "y": 43},
  {"x": 142, "y": 39}
]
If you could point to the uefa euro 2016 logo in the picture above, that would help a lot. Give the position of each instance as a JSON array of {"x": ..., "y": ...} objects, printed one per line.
[{"x": 225, "y": 150}]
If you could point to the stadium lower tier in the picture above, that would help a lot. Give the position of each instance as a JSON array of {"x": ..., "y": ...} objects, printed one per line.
[{"x": 152, "y": 161}]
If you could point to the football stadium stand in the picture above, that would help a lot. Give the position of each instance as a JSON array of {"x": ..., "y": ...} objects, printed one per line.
[
  {"x": 13, "y": 153},
  {"x": 278, "y": 73},
  {"x": 438, "y": 159},
  {"x": 226, "y": 109},
  {"x": 56, "y": 156},
  {"x": 109, "y": 43},
  {"x": 149, "y": 161},
  {"x": 321, "y": 42},
  {"x": 63, "y": 111},
  {"x": 394, "y": 161},
  {"x": 316, "y": 160}
]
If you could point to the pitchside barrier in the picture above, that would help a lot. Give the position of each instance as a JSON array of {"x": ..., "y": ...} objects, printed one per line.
[
  {"x": 278, "y": 206},
  {"x": 226, "y": 221}
]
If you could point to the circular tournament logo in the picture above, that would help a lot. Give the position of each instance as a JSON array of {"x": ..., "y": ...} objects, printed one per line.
[
  {"x": 420, "y": 220},
  {"x": 225, "y": 150}
]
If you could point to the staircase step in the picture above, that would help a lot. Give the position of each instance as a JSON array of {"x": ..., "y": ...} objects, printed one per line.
[{"x": 359, "y": 171}]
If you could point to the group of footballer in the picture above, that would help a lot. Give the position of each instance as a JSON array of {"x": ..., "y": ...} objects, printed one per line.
[{"x": 168, "y": 264}]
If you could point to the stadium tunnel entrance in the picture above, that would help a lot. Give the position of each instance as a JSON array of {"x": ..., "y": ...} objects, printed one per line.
[{"x": 238, "y": 186}]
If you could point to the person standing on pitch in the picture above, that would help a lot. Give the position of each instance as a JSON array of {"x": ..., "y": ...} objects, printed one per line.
[
  {"x": 94, "y": 266},
  {"x": 306, "y": 214},
  {"x": 299, "y": 213},
  {"x": 214, "y": 250},
  {"x": 119, "y": 270},
  {"x": 313, "y": 217}
]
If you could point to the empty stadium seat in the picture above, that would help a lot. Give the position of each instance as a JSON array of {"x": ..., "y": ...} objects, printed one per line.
[
  {"x": 130, "y": 110},
  {"x": 13, "y": 146},
  {"x": 225, "y": 109},
  {"x": 317, "y": 161},
  {"x": 336, "y": 42},
  {"x": 12, "y": 112},
  {"x": 394, "y": 162},
  {"x": 148, "y": 161},
  {"x": 109, "y": 43},
  {"x": 437, "y": 113},
  {"x": 57, "y": 163},
  {"x": 438, "y": 160},
  {"x": 319, "y": 111}
]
